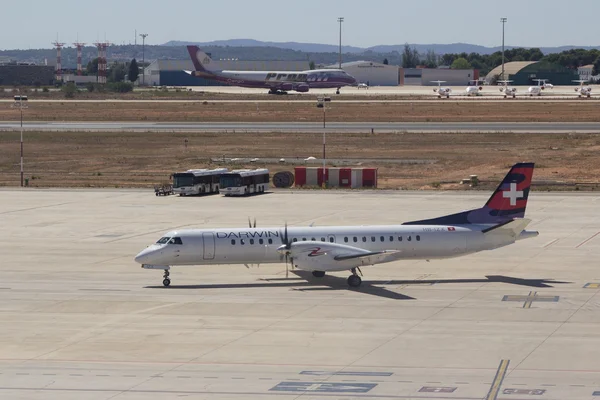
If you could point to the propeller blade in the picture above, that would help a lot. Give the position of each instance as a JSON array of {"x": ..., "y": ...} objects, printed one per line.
[
  {"x": 288, "y": 245},
  {"x": 286, "y": 266},
  {"x": 249, "y": 223},
  {"x": 254, "y": 223}
]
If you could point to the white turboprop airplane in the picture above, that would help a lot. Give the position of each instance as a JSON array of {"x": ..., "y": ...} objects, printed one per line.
[
  {"x": 508, "y": 90},
  {"x": 498, "y": 223},
  {"x": 442, "y": 91},
  {"x": 583, "y": 90},
  {"x": 541, "y": 85},
  {"x": 474, "y": 88}
]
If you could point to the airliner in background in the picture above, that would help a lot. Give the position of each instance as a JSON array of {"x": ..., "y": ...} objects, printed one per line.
[
  {"x": 500, "y": 222},
  {"x": 276, "y": 81}
]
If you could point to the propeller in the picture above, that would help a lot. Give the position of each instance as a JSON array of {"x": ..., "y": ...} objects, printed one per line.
[
  {"x": 250, "y": 223},
  {"x": 285, "y": 248}
]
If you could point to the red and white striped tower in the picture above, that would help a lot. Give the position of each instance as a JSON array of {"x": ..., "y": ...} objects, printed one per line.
[
  {"x": 102, "y": 67},
  {"x": 79, "y": 47},
  {"x": 58, "y": 47}
]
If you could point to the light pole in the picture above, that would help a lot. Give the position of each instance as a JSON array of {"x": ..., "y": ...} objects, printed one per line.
[
  {"x": 321, "y": 103},
  {"x": 503, "y": 20},
  {"x": 340, "y": 20},
  {"x": 21, "y": 104},
  {"x": 143, "y": 35}
]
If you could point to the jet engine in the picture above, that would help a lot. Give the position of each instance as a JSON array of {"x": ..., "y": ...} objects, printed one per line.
[
  {"x": 286, "y": 86},
  {"x": 303, "y": 88}
]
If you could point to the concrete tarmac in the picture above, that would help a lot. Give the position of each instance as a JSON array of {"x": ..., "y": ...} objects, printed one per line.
[
  {"x": 80, "y": 320},
  {"x": 149, "y": 127}
]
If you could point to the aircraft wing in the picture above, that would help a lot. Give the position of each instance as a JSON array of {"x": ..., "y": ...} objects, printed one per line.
[
  {"x": 325, "y": 256},
  {"x": 377, "y": 257}
]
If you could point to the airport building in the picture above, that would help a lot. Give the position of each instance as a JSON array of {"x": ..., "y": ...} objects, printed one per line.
[
  {"x": 172, "y": 72},
  {"x": 585, "y": 72},
  {"x": 372, "y": 73},
  {"x": 523, "y": 73},
  {"x": 425, "y": 76},
  {"x": 27, "y": 75}
]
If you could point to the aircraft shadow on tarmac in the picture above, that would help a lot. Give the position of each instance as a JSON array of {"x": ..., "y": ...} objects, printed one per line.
[{"x": 329, "y": 282}]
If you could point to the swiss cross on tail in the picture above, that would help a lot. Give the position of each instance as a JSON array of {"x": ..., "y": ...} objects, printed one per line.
[{"x": 511, "y": 195}]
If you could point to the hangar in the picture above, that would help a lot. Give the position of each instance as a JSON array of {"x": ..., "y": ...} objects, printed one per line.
[
  {"x": 34, "y": 75},
  {"x": 426, "y": 76},
  {"x": 524, "y": 72},
  {"x": 372, "y": 73},
  {"x": 171, "y": 72}
]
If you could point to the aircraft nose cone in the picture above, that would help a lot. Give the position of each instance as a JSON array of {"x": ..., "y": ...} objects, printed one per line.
[{"x": 144, "y": 256}]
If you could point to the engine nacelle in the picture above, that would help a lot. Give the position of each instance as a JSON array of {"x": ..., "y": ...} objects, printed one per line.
[
  {"x": 286, "y": 86},
  {"x": 302, "y": 88}
]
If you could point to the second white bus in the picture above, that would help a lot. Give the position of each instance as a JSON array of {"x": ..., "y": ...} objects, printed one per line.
[{"x": 244, "y": 181}]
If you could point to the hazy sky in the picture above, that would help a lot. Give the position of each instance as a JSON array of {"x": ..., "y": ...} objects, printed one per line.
[{"x": 35, "y": 23}]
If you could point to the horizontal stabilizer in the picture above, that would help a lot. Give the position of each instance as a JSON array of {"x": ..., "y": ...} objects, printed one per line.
[{"x": 512, "y": 228}]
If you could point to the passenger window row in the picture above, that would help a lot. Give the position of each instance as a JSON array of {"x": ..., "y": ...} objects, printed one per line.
[
  {"x": 251, "y": 241},
  {"x": 382, "y": 238},
  {"x": 331, "y": 239}
]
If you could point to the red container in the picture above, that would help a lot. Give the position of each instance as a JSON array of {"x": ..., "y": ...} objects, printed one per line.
[
  {"x": 300, "y": 176},
  {"x": 370, "y": 177},
  {"x": 345, "y": 177}
]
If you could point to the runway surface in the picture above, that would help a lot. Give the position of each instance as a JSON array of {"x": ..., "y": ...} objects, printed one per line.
[
  {"x": 80, "y": 320},
  {"x": 307, "y": 126}
]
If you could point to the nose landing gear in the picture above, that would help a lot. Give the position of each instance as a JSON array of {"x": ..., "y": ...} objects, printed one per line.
[{"x": 166, "y": 280}]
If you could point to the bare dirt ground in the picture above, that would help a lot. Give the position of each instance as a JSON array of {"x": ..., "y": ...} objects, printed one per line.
[
  {"x": 140, "y": 160},
  {"x": 449, "y": 111}
]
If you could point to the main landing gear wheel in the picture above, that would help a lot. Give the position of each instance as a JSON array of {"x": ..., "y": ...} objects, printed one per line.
[
  {"x": 337, "y": 91},
  {"x": 354, "y": 281},
  {"x": 318, "y": 274},
  {"x": 166, "y": 280}
]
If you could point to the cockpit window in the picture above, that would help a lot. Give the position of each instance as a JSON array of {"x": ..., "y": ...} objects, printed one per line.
[
  {"x": 163, "y": 240},
  {"x": 175, "y": 240}
]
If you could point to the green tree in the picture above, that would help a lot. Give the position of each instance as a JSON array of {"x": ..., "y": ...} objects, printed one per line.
[
  {"x": 410, "y": 57},
  {"x": 311, "y": 65},
  {"x": 448, "y": 59},
  {"x": 385, "y": 61},
  {"x": 92, "y": 67},
  {"x": 596, "y": 69},
  {"x": 117, "y": 72},
  {"x": 134, "y": 71},
  {"x": 431, "y": 59},
  {"x": 461, "y": 63}
]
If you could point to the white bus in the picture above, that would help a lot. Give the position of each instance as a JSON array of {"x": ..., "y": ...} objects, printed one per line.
[
  {"x": 197, "y": 181},
  {"x": 244, "y": 181}
]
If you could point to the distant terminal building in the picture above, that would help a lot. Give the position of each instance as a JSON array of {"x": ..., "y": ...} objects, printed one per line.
[
  {"x": 426, "y": 76},
  {"x": 375, "y": 74},
  {"x": 26, "y": 75},
  {"x": 524, "y": 72},
  {"x": 171, "y": 72},
  {"x": 585, "y": 72},
  {"x": 79, "y": 79}
]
